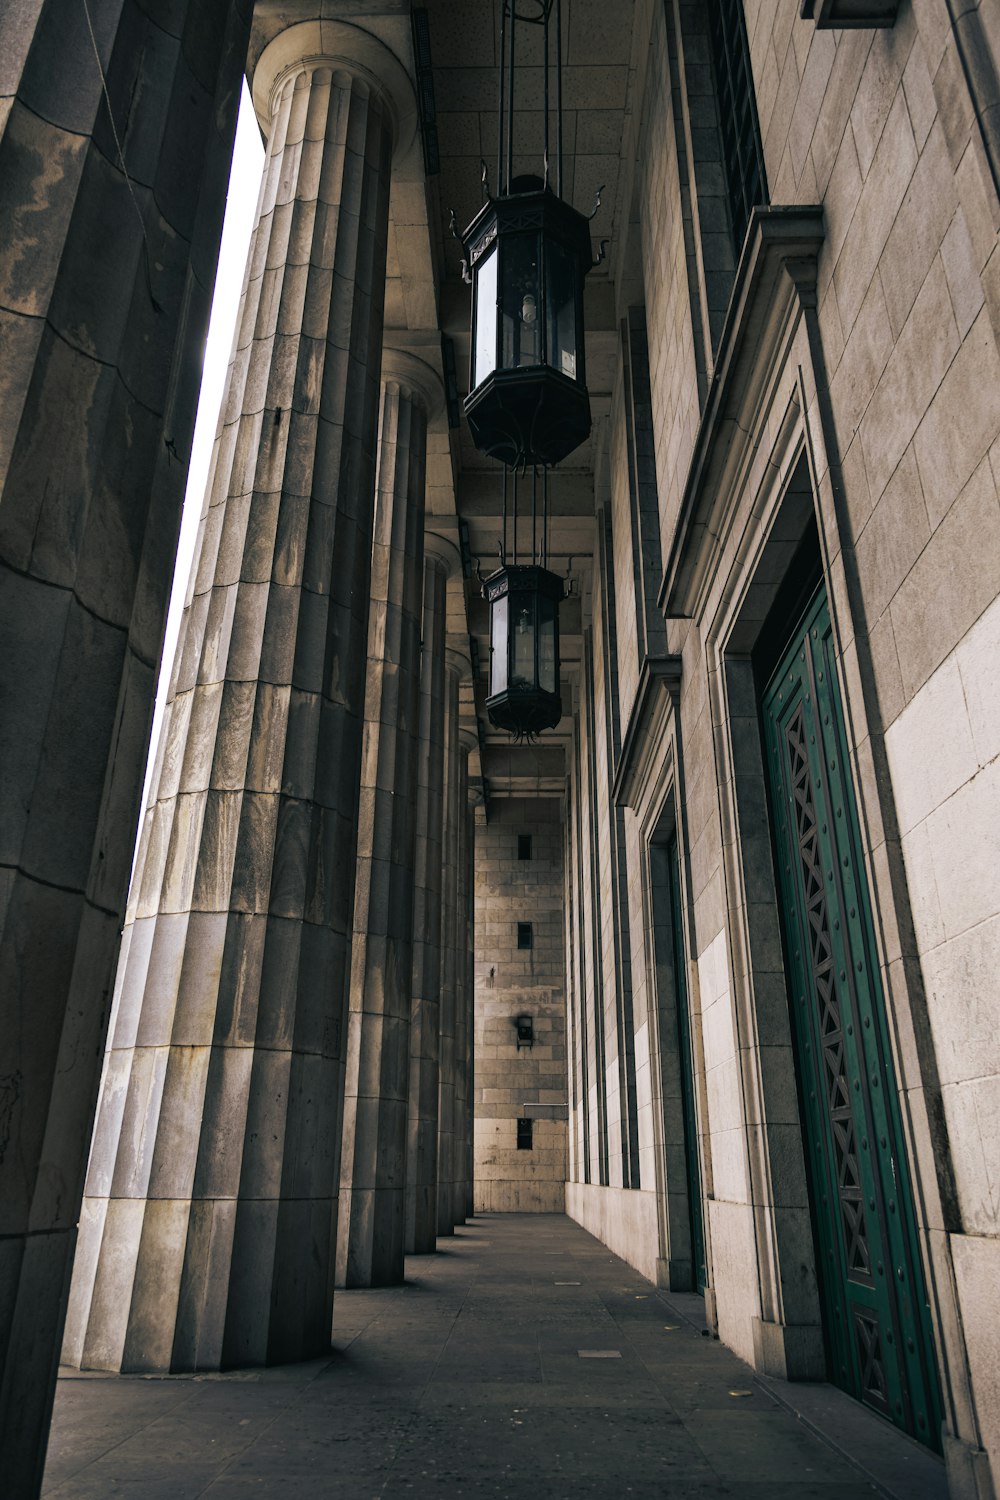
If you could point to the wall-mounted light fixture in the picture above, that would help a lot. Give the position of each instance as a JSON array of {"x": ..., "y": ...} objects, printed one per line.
[{"x": 525, "y": 1031}]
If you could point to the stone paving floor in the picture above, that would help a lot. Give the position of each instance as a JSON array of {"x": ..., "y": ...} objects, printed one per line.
[{"x": 524, "y": 1360}]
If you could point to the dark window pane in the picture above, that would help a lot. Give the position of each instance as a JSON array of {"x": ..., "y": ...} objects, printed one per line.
[
  {"x": 524, "y": 1141},
  {"x": 524, "y": 846},
  {"x": 742, "y": 157},
  {"x": 486, "y": 318},
  {"x": 560, "y": 308},
  {"x": 546, "y": 644},
  {"x": 523, "y": 660},
  {"x": 498, "y": 646},
  {"x": 519, "y": 302},
  {"x": 524, "y": 934}
]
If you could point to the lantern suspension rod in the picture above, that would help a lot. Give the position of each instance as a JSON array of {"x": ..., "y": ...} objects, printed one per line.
[
  {"x": 514, "y": 527},
  {"x": 545, "y": 517},
  {"x": 545, "y": 106},
  {"x": 503, "y": 39},
  {"x": 510, "y": 97},
  {"x": 534, "y": 512},
  {"x": 503, "y": 528},
  {"x": 559, "y": 135}
]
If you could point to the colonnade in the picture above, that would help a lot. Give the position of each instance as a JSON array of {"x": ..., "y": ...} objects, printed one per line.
[{"x": 289, "y": 1027}]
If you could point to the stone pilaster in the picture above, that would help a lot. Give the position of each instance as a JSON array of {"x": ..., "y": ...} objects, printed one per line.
[
  {"x": 441, "y": 560},
  {"x": 209, "y": 1228},
  {"x": 107, "y": 261},
  {"x": 370, "y": 1244}
]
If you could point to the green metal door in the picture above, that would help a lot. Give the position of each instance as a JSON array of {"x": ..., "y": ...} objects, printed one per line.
[
  {"x": 685, "y": 1049},
  {"x": 875, "y": 1310}
]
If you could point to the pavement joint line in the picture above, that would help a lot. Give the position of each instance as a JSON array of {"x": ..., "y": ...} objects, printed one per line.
[
  {"x": 775, "y": 1391},
  {"x": 887, "y": 1488},
  {"x": 188, "y": 1396},
  {"x": 419, "y": 1405},
  {"x": 497, "y": 1308},
  {"x": 300, "y": 1391}
]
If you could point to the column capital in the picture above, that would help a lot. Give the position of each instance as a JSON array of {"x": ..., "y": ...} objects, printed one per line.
[
  {"x": 443, "y": 552},
  {"x": 456, "y": 659},
  {"x": 415, "y": 377},
  {"x": 468, "y": 739},
  {"x": 337, "y": 44}
]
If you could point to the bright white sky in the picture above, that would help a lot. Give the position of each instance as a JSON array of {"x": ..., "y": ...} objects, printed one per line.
[{"x": 241, "y": 207}]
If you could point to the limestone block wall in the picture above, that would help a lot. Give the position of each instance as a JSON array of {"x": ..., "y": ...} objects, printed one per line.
[
  {"x": 669, "y": 305},
  {"x": 884, "y": 129},
  {"x": 510, "y": 981},
  {"x": 895, "y": 383}
]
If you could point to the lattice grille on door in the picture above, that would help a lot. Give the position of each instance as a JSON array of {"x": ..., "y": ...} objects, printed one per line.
[{"x": 852, "y": 1214}]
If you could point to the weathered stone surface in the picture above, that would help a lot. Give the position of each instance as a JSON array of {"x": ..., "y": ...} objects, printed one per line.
[
  {"x": 422, "y": 1107},
  {"x": 219, "y": 1141},
  {"x": 103, "y": 337},
  {"x": 454, "y": 811},
  {"x": 373, "y": 1162}
]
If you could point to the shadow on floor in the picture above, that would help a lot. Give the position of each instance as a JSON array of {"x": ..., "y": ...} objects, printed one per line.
[{"x": 526, "y": 1361}]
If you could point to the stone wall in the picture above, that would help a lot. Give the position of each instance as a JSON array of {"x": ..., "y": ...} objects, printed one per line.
[
  {"x": 512, "y": 981},
  {"x": 875, "y": 415}
]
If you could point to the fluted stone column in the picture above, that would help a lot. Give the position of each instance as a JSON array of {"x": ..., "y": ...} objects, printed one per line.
[
  {"x": 467, "y": 741},
  {"x": 456, "y": 666},
  {"x": 107, "y": 261},
  {"x": 441, "y": 560},
  {"x": 470, "y": 1000},
  {"x": 209, "y": 1228},
  {"x": 370, "y": 1244}
]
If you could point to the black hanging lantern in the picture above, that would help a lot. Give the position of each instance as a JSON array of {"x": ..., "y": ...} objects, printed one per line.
[
  {"x": 526, "y": 254},
  {"x": 524, "y": 649}
]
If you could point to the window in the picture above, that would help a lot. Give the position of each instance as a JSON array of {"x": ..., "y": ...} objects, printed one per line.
[
  {"x": 742, "y": 156},
  {"x": 524, "y": 846},
  {"x": 524, "y": 934},
  {"x": 524, "y": 1141}
]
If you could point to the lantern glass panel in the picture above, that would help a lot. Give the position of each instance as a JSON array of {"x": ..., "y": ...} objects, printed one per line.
[
  {"x": 546, "y": 644},
  {"x": 486, "y": 318},
  {"x": 523, "y": 647},
  {"x": 498, "y": 642},
  {"x": 560, "y": 307},
  {"x": 522, "y": 333}
]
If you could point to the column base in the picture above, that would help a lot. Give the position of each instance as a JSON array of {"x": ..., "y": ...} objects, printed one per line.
[
  {"x": 968, "y": 1470},
  {"x": 789, "y": 1351},
  {"x": 34, "y": 1285},
  {"x": 675, "y": 1275}
]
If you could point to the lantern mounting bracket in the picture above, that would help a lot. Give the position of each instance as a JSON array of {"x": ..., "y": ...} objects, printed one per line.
[
  {"x": 457, "y": 234},
  {"x": 597, "y": 202}
]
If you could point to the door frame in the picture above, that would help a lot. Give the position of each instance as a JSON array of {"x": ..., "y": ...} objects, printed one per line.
[{"x": 787, "y": 1330}]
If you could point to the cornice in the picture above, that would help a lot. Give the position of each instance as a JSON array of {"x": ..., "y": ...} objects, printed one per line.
[{"x": 775, "y": 282}]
